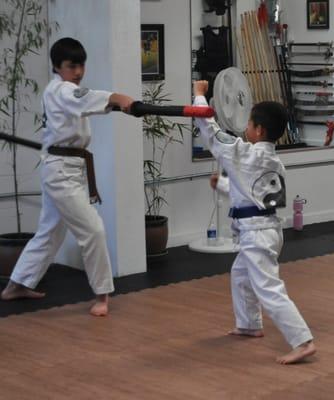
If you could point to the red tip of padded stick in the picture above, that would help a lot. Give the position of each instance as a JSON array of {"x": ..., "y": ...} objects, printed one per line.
[{"x": 198, "y": 111}]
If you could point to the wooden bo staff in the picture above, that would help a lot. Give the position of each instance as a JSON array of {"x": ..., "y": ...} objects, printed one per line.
[
  {"x": 250, "y": 62},
  {"x": 263, "y": 19},
  {"x": 256, "y": 70},
  {"x": 257, "y": 56},
  {"x": 277, "y": 74},
  {"x": 263, "y": 60},
  {"x": 263, "y": 54},
  {"x": 244, "y": 57},
  {"x": 248, "y": 66},
  {"x": 240, "y": 51}
]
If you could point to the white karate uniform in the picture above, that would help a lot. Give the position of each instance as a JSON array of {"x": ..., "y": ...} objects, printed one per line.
[
  {"x": 256, "y": 177},
  {"x": 65, "y": 200}
]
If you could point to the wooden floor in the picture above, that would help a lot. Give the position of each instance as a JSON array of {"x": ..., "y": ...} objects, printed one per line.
[{"x": 168, "y": 343}]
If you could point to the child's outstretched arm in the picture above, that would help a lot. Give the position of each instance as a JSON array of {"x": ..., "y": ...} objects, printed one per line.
[
  {"x": 213, "y": 136},
  {"x": 83, "y": 102}
]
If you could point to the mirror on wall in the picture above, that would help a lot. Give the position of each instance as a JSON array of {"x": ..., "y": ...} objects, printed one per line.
[
  {"x": 211, "y": 51},
  {"x": 298, "y": 74}
]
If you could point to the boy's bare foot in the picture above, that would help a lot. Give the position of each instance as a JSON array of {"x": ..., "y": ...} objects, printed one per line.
[
  {"x": 100, "y": 308},
  {"x": 15, "y": 291},
  {"x": 247, "y": 332},
  {"x": 299, "y": 353}
]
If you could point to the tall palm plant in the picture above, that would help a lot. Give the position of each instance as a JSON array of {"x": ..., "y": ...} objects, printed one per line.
[
  {"x": 160, "y": 132},
  {"x": 23, "y": 31}
]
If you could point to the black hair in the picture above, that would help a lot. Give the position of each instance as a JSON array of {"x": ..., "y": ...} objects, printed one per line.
[
  {"x": 272, "y": 116},
  {"x": 67, "y": 49}
]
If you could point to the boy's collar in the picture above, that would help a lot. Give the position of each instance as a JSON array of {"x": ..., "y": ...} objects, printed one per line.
[
  {"x": 57, "y": 77},
  {"x": 265, "y": 144}
]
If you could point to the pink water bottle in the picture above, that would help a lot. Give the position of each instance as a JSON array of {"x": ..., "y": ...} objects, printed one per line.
[{"x": 298, "y": 204}]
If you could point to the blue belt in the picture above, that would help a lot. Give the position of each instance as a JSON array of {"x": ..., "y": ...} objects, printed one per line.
[{"x": 247, "y": 212}]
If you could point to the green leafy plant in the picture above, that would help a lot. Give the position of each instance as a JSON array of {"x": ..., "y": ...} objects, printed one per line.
[
  {"x": 23, "y": 31},
  {"x": 161, "y": 132}
]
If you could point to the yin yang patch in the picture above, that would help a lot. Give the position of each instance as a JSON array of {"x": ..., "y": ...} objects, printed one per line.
[{"x": 269, "y": 189}]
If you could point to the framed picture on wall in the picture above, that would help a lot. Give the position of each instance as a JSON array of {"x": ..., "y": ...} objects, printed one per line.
[
  {"x": 317, "y": 14},
  {"x": 152, "y": 52}
]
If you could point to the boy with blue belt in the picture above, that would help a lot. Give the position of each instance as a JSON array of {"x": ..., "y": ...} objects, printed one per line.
[{"x": 257, "y": 188}]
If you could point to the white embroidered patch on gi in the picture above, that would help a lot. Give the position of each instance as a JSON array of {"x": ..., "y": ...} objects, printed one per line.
[{"x": 80, "y": 92}]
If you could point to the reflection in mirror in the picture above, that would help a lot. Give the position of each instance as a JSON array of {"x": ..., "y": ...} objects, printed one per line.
[
  {"x": 297, "y": 75},
  {"x": 287, "y": 72},
  {"x": 211, "y": 50}
]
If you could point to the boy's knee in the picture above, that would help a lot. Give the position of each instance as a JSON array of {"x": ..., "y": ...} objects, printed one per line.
[{"x": 97, "y": 232}]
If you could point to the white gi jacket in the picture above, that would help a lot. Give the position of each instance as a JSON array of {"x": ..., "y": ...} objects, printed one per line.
[
  {"x": 255, "y": 172},
  {"x": 65, "y": 202},
  {"x": 66, "y": 107},
  {"x": 256, "y": 178}
]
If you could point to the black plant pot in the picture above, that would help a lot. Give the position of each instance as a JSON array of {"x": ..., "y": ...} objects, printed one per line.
[
  {"x": 11, "y": 246},
  {"x": 156, "y": 235}
]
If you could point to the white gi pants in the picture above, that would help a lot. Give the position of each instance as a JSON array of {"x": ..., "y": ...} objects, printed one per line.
[
  {"x": 65, "y": 205},
  {"x": 255, "y": 282}
]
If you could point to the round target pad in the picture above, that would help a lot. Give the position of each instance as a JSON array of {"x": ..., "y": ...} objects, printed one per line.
[{"x": 232, "y": 100}]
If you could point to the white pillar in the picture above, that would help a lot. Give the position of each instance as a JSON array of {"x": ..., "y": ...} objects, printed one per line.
[{"x": 110, "y": 32}]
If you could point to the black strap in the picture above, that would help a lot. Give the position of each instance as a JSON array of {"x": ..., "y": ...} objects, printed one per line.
[{"x": 248, "y": 212}]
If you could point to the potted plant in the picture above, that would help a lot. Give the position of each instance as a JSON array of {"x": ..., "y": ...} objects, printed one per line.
[
  {"x": 160, "y": 132},
  {"x": 23, "y": 31}
]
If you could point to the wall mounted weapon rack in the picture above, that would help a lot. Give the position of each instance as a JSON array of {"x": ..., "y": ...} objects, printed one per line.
[
  {"x": 263, "y": 65},
  {"x": 310, "y": 71}
]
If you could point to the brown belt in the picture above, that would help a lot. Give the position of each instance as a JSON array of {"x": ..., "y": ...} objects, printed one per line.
[{"x": 88, "y": 156}]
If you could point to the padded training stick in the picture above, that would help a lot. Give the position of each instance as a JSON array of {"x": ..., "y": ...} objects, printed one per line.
[{"x": 138, "y": 109}]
